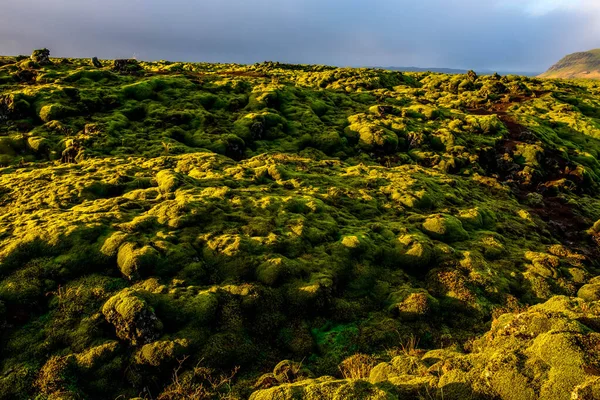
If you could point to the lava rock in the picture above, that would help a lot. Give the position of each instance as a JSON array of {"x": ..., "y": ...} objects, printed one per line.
[
  {"x": 126, "y": 66},
  {"x": 41, "y": 56},
  {"x": 134, "y": 320}
]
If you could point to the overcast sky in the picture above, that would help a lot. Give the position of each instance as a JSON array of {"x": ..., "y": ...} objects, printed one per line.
[{"x": 517, "y": 35}]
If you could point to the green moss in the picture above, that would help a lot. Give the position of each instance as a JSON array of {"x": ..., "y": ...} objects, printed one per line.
[
  {"x": 132, "y": 318},
  {"x": 38, "y": 144},
  {"x": 161, "y": 353},
  {"x": 409, "y": 304},
  {"x": 416, "y": 252},
  {"x": 273, "y": 211},
  {"x": 53, "y": 112},
  {"x": 225, "y": 349},
  {"x": 135, "y": 262},
  {"x": 543, "y": 264},
  {"x": 370, "y": 136},
  {"x": 96, "y": 356},
  {"x": 56, "y": 376},
  {"x": 590, "y": 292},
  {"x": 445, "y": 228},
  {"x": 492, "y": 247},
  {"x": 91, "y": 75},
  {"x": 275, "y": 271},
  {"x": 112, "y": 243},
  {"x": 167, "y": 181}
]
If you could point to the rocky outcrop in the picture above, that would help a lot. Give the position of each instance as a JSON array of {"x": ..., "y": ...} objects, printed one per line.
[
  {"x": 41, "y": 56},
  {"x": 126, "y": 66}
]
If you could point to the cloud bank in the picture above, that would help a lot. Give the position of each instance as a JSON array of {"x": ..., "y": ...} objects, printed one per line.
[{"x": 525, "y": 35}]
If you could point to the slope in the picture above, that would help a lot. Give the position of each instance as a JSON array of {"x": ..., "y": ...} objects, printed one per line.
[{"x": 577, "y": 65}]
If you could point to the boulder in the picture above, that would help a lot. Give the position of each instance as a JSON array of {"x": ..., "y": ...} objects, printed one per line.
[
  {"x": 95, "y": 62},
  {"x": 134, "y": 320},
  {"x": 41, "y": 56}
]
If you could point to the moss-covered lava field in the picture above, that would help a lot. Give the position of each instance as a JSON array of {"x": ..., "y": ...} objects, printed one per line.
[{"x": 274, "y": 231}]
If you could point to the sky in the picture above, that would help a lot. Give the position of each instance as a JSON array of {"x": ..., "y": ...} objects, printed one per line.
[{"x": 503, "y": 35}]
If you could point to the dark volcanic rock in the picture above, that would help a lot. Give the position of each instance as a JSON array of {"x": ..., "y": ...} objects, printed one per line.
[
  {"x": 41, "y": 56},
  {"x": 126, "y": 66},
  {"x": 26, "y": 76},
  {"x": 96, "y": 63}
]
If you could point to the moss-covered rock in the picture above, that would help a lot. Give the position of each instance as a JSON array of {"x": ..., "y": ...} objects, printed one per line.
[
  {"x": 161, "y": 353},
  {"x": 409, "y": 304},
  {"x": 56, "y": 377},
  {"x": 287, "y": 371},
  {"x": 445, "y": 228},
  {"x": 590, "y": 292},
  {"x": 133, "y": 319},
  {"x": 53, "y": 112},
  {"x": 416, "y": 252},
  {"x": 276, "y": 270},
  {"x": 41, "y": 56},
  {"x": 95, "y": 357},
  {"x": 135, "y": 262},
  {"x": 325, "y": 388}
]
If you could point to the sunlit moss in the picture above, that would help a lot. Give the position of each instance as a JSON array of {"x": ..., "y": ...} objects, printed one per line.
[{"x": 239, "y": 215}]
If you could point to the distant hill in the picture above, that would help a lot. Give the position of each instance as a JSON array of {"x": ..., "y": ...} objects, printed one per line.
[
  {"x": 459, "y": 71},
  {"x": 584, "y": 64}
]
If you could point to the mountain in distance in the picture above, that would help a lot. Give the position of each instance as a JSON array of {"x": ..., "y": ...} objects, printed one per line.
[
  {"x": 585, "y": 64},
  {"x": 459, "y": 71}
]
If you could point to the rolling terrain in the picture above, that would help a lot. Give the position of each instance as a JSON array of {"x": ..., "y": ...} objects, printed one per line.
[{"x": 220, "y": 231}]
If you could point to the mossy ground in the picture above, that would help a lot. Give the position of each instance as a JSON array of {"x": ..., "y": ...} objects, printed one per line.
[{"x": 198, "y": 218}]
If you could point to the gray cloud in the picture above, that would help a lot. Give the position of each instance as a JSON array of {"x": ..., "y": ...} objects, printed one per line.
[{"x": 434, "y": 33}]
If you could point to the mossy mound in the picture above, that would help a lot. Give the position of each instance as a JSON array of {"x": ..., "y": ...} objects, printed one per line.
[
  {"x": 136, "y": 262},
  {"x": 445, "y": 228},
  {"x": 132, "y": 318}
]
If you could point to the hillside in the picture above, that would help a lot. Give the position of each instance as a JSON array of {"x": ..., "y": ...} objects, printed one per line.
[
  {"x": 201, "y": 231},
  {"x": 577, "y": 65}
]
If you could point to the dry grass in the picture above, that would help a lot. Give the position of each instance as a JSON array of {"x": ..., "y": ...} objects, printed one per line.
[
  {"x": 358, "y": 366},
  {"x": 198, "y": 384}
]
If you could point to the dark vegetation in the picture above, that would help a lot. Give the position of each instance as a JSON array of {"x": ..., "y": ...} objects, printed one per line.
[{"x": 175, "y": 230}]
